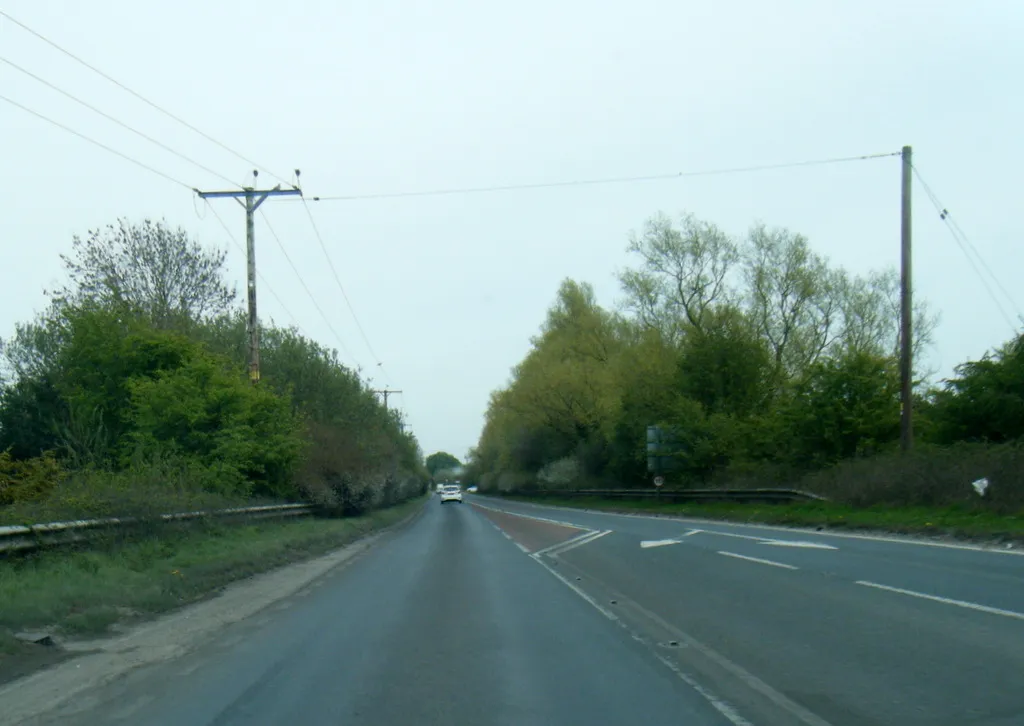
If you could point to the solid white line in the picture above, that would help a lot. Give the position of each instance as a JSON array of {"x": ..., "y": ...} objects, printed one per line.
[
  {"x": 647, "y": 543},
  {"x": 730, "y": 713},
  {"x": 945, "y": 600},
  {"x": 719, "y": 705},
  {"x": 758, "y": 560},
  {"x": 603, "y": 610}
]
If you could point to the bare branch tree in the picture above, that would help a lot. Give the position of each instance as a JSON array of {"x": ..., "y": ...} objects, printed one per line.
[
  {"x": 684, "y": 271},
  {"x": 147, "y": 268},
  {"x": 784, "y": 281}
]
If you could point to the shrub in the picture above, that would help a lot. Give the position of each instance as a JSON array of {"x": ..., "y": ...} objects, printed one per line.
[
  {"x": 28, "y": 480},
  {"x": 247, "y": 436}
]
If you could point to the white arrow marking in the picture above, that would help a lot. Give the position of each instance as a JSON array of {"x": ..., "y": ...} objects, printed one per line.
[
  {"x": 767, "y": 540},
  {"x": 659, "y": 542},
  {"x": 807, "y": 545}
]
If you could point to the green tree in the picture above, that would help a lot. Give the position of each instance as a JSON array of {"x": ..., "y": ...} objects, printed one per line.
[
  {"x": 149, "y": 269},
  {"x": 843, "y": 407},
  {"x": 985, "y": 400},
  {"x": 792, "y": 297},
  {"x": 726, "y": 367},
  {"x": 206, "y": 410},
  {"x": 684, "y": 271},
  {"x": 440, "y": 460}
]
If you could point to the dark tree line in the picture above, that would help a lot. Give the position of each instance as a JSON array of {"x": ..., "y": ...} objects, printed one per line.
[{"x": 759, "y": 356}]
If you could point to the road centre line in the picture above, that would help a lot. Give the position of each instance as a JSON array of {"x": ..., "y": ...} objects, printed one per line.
[
  {"x": 530, "y": 516},
  {"x": 587, "y": 535},
  {"x": 945, "y": 600},
  {"x": 507, "y": 536},
  {"x": 758, "y": 560},
  {"x": 721, "y": 706},
  {"x": 798, "y": 712}
]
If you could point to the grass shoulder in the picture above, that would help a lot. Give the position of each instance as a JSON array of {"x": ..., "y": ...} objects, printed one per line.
[
  {"x": 958, "y": 522},
  {"x": 87, "y": 592}
]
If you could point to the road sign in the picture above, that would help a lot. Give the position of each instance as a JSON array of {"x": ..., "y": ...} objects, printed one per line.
[{"x": 659, "y": 481}]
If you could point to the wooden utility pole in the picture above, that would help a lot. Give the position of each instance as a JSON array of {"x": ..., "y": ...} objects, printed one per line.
[
  {"x": 906, "y": 311},
  {"x": 253, "y": 199},
  {"x": 384, "y": 392}
]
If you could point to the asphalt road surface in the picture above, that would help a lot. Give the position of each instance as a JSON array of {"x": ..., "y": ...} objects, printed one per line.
[{"x": 475, "y": 614}]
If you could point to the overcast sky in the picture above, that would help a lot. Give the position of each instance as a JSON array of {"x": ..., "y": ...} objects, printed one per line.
[{"x": 392, "y": 96}]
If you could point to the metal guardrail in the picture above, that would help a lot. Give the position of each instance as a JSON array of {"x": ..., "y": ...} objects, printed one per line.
[
  {"x": 679, "y": 495},
  {"x": 20, "y": 537}
]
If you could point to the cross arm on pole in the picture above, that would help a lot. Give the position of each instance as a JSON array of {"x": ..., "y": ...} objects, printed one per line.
[{"x": 261, "y": 193}]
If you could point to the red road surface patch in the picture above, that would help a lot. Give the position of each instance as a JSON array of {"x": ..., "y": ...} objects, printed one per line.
[{"x": 533, "y": 534}]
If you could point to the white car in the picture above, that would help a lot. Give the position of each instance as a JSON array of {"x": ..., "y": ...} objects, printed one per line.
[{"x": 451, "y": 494}]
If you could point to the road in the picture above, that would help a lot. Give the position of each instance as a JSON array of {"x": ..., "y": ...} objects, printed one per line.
[{"x": 477, "y": 614}]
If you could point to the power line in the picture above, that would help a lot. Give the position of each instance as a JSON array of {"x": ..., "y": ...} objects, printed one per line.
[
  {"x": 341, "y": 287},
  {"x": 947, "y": 217},
  {"x": 100, "y": 144},
  {"x": 599, "y": 181},
  {"x": 117, "y": 121},
  {"x": 323, "y": 315},
  {"x": 138, "y": 95},
  {"x": 231, "y": 236},
  {"x": 967, "y": 247}
]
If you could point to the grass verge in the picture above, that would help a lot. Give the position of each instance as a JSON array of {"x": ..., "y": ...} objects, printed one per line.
[
  {"x": 960, "y": 522},
  {"x": 87, "y": 592}
]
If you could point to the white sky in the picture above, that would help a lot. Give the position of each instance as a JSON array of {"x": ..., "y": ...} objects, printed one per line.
[{"x": 389, "y": 96}]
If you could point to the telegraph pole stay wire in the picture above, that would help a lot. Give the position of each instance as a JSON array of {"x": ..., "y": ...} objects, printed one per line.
[{"x": 968, "y": 248}]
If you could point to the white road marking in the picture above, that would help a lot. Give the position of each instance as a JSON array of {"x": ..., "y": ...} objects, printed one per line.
[
  {"x": 945, "y": 600},
  {"x": 588, "y": 535},
  {"x": 530, "y": 516},
  {"x": 578, "y": 543},
  {"x": 758, "y": 560},
  {"x": 550, "y": 548},
  {"x": 725, "y": 709},
  {"x": 601, "y": 608},
  {"x": 718, "y": 704},
  {"x": 806, "y": 717},
  {"x": 647, "y": 543},
  {"x": 693, "y": 532},
  {"x": 720, "y": 522},
  {"x": 805, "y": 545},
  {"x": 771, "y": 541}
]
